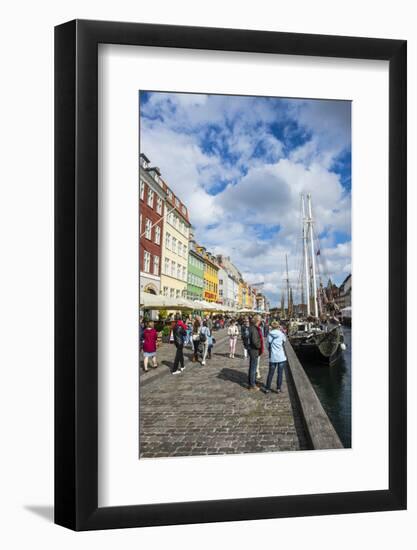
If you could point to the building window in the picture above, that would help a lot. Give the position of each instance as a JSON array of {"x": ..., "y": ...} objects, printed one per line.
[
  {"x": 177, "y": 202},
  {"x": 140, "y": 224},
  {"x": 165, "y": 291},
  {"x": 148, "y": 229},
  {"x": 156, "y": 265},
  {"x": 150, "y": 198},
  {"x": 158, "y": 234},
  {"x": 147, "y": 261},
  {"x": 172, "y": 292},
  {"x": 142, "y": 189},
  {"x": 179, "y": 271},
  {"x": 168, "y": 241},
  {"x": 169, "y": 194},
  {"x": 159, "y": 205},
  {"x": 184, "y": 250},
  {"x": 177, "y": 222},
  {"x": 174, "y": 245},
  {"x": 166, "y": 266},
  {"x": 184, "y": 210},
  {"x": 184, "y": 293},
  {"x": 173, "y": 265},
  {"x": 178, "y": 293},
  {"x": 184, "y": 274}
]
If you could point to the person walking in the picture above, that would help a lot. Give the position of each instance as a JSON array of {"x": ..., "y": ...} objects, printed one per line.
[
  {"x": 244, "y": 332},
  {"x": 253, "y": 350},
  {"x": 150, "y": 337},
  {"x": 205, "y": 337},
  {"x": 179, "y": 333},
  {"x": 233, "y": 333},
  {"x": 196, "y": 337},
  {"x": 188, "y": 340},
  {"x": 209, "y": 322},
  {"x": 277, "y": 356},
  {"x": 212, "y": 341}
]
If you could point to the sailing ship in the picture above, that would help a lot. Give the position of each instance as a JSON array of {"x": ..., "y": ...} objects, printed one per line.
[{"x": 318, "y": 335}]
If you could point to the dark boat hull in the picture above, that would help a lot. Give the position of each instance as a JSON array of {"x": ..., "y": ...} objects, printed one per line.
[
  {"x": 325, "y": 347},
  {"x": 310, "y": 353}
]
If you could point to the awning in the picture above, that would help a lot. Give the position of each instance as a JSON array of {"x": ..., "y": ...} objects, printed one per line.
[{"x": 153, "y": 301}]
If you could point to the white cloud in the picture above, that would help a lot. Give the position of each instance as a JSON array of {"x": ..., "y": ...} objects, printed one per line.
[{"x": 263, "y": 184}]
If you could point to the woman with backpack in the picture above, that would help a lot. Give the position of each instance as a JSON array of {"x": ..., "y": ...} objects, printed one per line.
[
  {"x": 205, "y": 337},
  {"x": 179, "y": 336},
  {"x": 196, "y": 337}
]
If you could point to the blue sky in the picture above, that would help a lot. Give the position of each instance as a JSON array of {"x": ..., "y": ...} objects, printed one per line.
[{"x": 240, "y": 164}]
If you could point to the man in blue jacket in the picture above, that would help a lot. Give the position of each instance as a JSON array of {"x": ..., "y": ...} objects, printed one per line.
[{"x": 277, "y": 356}]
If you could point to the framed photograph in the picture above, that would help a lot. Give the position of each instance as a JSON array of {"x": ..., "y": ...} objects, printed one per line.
[{"x": 230, "y": 229}]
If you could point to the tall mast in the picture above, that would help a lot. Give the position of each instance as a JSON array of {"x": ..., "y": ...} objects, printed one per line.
[
  {"x": 302, "y": 295},
  {"x": 288, "y": 287},
  {"x": 313, "y": 259},
  {"x": 303, "y": 212}
]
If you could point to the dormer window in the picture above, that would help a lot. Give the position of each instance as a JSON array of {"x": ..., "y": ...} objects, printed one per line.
[{"x": 144, "y": 161}]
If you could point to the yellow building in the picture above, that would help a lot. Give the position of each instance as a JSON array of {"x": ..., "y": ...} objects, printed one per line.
[
  {"x": 248, "y": 303},
  {"x": 211, "y": 276},
  {"x": 240, "y": 295}
]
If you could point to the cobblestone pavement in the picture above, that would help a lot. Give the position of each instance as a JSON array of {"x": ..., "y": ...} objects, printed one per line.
[{"x": 209, "y": 410}]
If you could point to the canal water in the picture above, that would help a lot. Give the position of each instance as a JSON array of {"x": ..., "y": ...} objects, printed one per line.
[{"x": 333, "y": 387}]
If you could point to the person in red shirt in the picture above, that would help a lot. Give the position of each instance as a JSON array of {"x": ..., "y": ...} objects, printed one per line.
[{"x": 150, "y": 337}]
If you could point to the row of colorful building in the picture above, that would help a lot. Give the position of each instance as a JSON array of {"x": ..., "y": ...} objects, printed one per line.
[{"x": 172, "y": 263}]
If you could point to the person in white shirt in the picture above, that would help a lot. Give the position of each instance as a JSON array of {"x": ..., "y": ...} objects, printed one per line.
[{"x": 233, "y": 333}]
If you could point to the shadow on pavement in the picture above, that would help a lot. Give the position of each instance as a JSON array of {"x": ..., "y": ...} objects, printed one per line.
[{"x": 231, "y": 375}]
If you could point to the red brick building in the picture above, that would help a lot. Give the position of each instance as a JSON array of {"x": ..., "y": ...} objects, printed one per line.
[{"x": 152, "y": 197}]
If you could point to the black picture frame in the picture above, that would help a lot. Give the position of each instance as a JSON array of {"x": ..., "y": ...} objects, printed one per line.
[{"x": 76, "y": 272}]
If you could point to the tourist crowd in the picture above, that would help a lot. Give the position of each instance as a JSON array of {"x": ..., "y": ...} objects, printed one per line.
[{"x": 257, "y": 334}]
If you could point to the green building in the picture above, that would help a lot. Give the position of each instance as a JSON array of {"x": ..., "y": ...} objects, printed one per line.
[{"x": 195, "y": 283}]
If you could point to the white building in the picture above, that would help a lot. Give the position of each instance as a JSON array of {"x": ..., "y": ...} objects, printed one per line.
[{"x": 229, "y": 277}]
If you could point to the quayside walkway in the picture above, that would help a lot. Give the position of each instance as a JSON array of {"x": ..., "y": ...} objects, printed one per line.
[{"x": 208, "y": 409}]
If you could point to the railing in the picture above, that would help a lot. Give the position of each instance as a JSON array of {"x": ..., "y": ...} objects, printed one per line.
[{"x": 319, "y": 429}]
